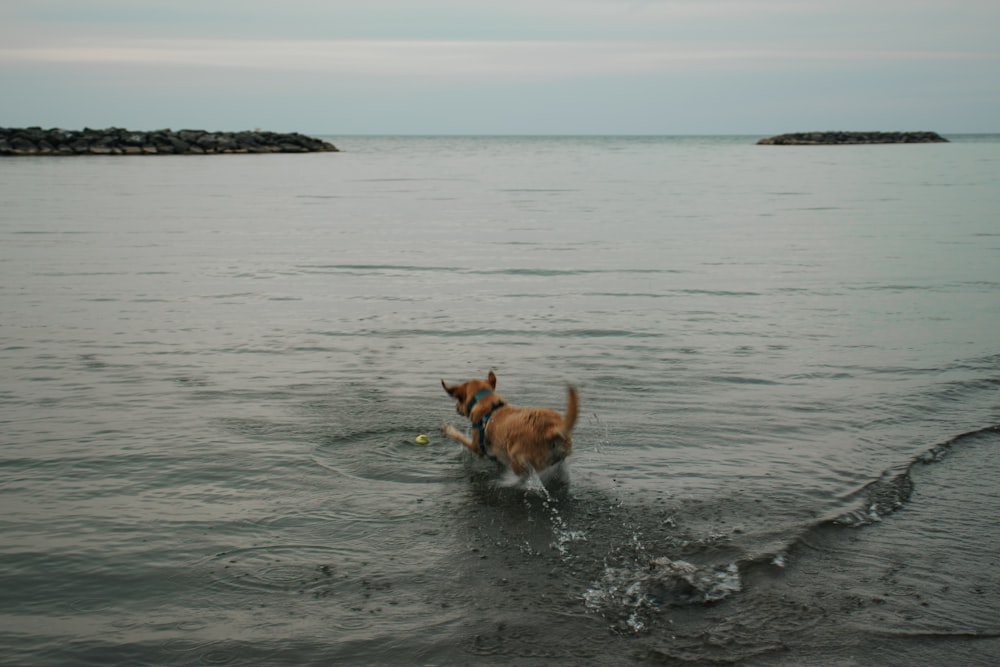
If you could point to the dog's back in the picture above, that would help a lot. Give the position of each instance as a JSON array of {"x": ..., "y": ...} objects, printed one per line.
[
  {"x": 533, "y": 438},
  {"x": 524, "y": 438}
]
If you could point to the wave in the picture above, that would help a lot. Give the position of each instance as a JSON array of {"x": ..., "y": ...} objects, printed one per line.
[
  {"x": 364, "y": 269},
  {"x": 493, "y": 333},
  {"x": 638, "y": 585},
  {"x": 893, "y": 489}
]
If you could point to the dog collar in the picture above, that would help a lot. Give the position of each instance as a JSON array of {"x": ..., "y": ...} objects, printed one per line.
[
  {"x": 475, "y": 399},
  {"x": 481, "y": 425}
]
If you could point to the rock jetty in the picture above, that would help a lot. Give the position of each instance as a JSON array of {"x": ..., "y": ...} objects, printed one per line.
[
  {"x": 118, "y": 141},
  {"x": 836, "y": 138}
]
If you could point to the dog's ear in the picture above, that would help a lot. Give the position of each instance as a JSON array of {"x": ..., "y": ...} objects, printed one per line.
[
  {"x": 493, "y": 380},
  {"x": 450, "y": 390}
]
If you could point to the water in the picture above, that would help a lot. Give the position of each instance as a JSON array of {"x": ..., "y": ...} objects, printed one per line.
[{"x": 214, "y": 369}]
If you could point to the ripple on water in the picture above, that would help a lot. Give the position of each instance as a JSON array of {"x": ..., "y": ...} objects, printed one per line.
[
  {"x": 389, "y": 455},
  {"x": 291, "y": 568},
  {"x": 347, "y": 588},
  {"x": 212, "y": 652}
]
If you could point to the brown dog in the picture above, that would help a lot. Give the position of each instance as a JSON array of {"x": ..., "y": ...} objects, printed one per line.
[{"x": 523, "y": 438}]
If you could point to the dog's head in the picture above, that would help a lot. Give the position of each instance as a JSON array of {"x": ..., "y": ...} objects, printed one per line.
[{"x": 465, "y": 392}]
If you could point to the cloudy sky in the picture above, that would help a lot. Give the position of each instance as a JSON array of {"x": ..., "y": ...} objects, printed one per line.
[{"x": 502, "y": 66}]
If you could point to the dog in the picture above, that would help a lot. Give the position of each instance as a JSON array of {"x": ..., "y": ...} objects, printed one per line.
[{"x": 524, "y": 439}]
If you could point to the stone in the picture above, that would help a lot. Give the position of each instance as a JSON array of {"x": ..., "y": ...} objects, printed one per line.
[
  {"x": 847, "y": 138},
  {"x": 120, "y": 141},
  {"x": 179, "y": 144},
  {"x": 22, "y": 145}
]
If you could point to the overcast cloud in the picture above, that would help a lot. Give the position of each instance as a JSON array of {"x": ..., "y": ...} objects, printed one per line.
[{"x": 468, "y": 66}]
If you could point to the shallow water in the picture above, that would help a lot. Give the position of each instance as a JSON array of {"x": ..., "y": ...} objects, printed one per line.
[{"x": 215, "y": 368}]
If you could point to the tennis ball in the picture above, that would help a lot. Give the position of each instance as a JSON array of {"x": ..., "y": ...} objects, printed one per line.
[{"x": 422, "y": 439}]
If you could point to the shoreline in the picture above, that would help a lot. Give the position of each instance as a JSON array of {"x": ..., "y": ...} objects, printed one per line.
[{"x": 35, "y": 141}]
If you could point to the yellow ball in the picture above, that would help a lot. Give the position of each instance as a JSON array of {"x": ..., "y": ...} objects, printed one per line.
[{"x": 422, "y": 439}]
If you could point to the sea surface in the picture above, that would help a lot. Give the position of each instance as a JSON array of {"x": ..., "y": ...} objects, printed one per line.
[{"x": 213, "y": 371}]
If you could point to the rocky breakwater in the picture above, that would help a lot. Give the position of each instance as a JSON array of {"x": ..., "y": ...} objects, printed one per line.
[
  {"x": 118, "y": 141},
  {"x": 840, "y": 138}
]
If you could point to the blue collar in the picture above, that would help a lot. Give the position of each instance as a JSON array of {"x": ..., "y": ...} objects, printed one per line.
[
  {"x": 475, "y": 399},
  {"x": 480, "y": 425}
]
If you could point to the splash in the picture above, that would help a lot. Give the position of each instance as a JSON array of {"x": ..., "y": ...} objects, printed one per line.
[
  {"x": 638, "y": 586},
  {"x": 562, "y": 535},
  {"x": 631, "y": 597}
]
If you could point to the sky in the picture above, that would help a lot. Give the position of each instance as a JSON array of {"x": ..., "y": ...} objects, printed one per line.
[{"x": 340, "y": 67}]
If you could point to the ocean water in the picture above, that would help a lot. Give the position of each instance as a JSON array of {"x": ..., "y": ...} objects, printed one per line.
[{"x": 788, "y": 360}]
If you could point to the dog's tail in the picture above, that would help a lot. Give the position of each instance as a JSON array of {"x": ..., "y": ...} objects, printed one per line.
[{"x": 569, "y": 419}]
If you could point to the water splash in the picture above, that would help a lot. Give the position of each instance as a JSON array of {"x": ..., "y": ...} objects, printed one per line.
[
  {"x": 562, "y": 534},
  {"x": 637, "y": 585},
  {"x": 630, "y": 597}
]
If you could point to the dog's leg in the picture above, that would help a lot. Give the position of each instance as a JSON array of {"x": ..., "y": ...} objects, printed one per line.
[
  {"x": 452, "y": 432},
  {"x": 519, "y": 468}
]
